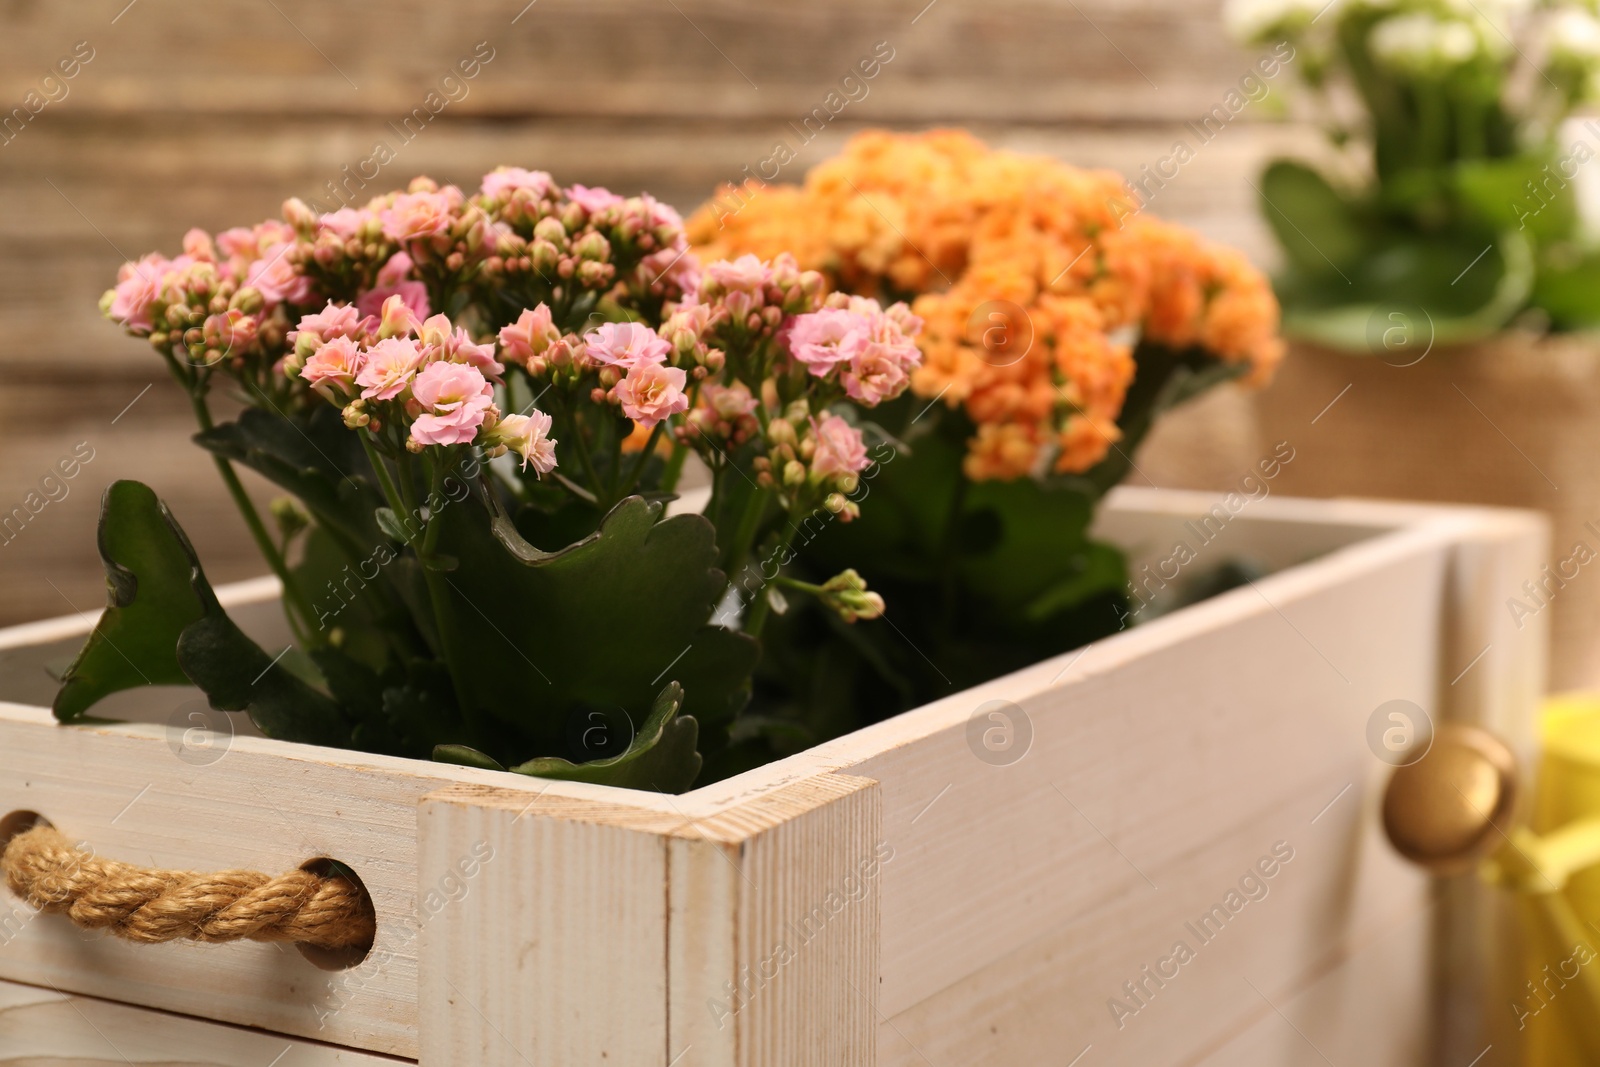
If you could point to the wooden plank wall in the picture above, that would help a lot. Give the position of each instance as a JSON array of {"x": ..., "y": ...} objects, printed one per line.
[{"x": 211, "y": 114}]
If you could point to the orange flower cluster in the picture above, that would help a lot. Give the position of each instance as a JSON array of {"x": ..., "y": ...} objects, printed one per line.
[{"x": 1033, "y": 278}]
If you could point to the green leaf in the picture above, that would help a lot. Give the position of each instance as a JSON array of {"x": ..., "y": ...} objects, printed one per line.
[
  {"x": 1495, "y": 195},
  {"x": 1451, "y": 291},
  {"x": 165, "y": 626},
  {"x": 662, "y": 756},
  {"x": 464, "y": 756},
  {"x": 316, "y": 458},
  {"x": 534, "y": 637},
  {"x": 1319, "y": 229},
  {"x": 1569, "y": 289},
  {"x": 236, "y": 674},
  {"x": 391, "y": 525},
  {"x": 148, "y": 562}
]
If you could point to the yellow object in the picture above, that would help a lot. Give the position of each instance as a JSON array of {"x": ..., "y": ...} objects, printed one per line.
[{"x": 1561, "y": 1024}]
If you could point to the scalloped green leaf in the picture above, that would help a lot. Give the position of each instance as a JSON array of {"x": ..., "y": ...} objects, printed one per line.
[
  {"x": 536, "y": 637},
  {"x": 150, "y": 602},
  {"x": 662, "y": 756}
]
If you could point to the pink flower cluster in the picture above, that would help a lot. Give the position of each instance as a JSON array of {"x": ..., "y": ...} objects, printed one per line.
[
  {"x": 649, "y": 390},
  {"x": 429, "y": 372},
  {"x": 873, "y": 349},
  {"x": 191, "y": 284}
]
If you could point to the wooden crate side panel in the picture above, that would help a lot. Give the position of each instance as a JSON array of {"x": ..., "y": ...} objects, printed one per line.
[
  {"x": 1051, "y": 1000},
  {"x": 1138, "y": 761},
  {"x": 774, "y": 939},
  {"x": 554, "y": 951},
  {"x": 1493, "y": 673},
  {"x": 42, "y": 1026},
  {"x": 125, "y": 792}
]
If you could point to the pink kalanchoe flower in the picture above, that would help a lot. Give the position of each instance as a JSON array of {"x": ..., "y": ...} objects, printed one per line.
[
  {"x": 824, "y": 339},
  {"x": 336, "y": 363},
  {"x": 747, "y": 274},
  {"x": 390, "y": 366},
  {"x": 442, "y": 340},
  {"x": 397, "y": 316},
  {"x": 454, "y": 399},
  {"x": 529, "y": 437},
  {"x": 651, "y": 393},
  {"x": 876, "y": 373},
  {"x": 728, "y": 402},
  {"x": 627, "y": 345},
  {"x": 274, "y": 276},
  {"x": 239, "y": 242},
  {"x": 501, "y": 182},
  {"x": 137, "y": 286},
  {"x": 595, "y": 200},
  {"x": 343, "y": 224},
  {"x": 529, "y": 336},
  {"x": 414, "y": 295},
  {"x": 335, "y": 320},
  {"x": 416, "y": 215},
  {"x": 396, "y": 269},
  {"x": 197, "y": 245},
  {"x": 839, "y": 447}
]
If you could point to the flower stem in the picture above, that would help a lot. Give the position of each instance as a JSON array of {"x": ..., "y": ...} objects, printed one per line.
[
  {"x": 761, "y": 606},
  {"x": 632, "y": 480},
  {"x": 674, "y": 468},
  {"x": 299, "y": 613}
]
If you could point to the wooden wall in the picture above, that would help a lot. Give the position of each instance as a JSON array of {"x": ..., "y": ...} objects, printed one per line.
[{"x": 211, "y": 114}]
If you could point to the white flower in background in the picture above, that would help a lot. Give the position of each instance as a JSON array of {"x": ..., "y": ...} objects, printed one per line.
[
  {"x": 1422, "y": 43},
  {"x": 1263, "y": 21},
  {"x": 1573, "y": 35}
]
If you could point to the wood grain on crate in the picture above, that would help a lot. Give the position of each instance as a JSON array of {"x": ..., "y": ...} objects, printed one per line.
[{"x": 44, "y": 1028}]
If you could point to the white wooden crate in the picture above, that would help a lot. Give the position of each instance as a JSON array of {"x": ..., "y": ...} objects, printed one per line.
[{"x": 888, "y": 897}]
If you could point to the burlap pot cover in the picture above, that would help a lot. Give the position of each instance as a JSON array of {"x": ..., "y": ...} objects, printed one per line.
[{"x": 1514, "y": 422}]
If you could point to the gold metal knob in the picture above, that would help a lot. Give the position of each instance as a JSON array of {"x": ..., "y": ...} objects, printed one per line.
[{"x": 1451, "y": 809}]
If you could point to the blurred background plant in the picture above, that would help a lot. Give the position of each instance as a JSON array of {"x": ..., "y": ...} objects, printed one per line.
[{"x": 1455, "y": 190}]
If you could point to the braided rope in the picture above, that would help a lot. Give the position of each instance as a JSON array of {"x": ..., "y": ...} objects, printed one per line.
[{"x": 151, "y": 905}]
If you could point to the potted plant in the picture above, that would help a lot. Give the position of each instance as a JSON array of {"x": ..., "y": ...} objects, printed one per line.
[{"x": 1437, "y": 268}]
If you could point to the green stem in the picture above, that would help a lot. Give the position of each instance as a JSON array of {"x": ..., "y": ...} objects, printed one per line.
[
  {"x": 761, "y": 606},
  {"x": 674, "y": 468},
  {"x": 582, "y": 445},
  {"x": 744, "y": 535},
  {"x": 385, "y": 482},
  {"x": 632, "y": 480},
  {"x": 300, "y": 615},
  {"x": 439, "y": 599}
]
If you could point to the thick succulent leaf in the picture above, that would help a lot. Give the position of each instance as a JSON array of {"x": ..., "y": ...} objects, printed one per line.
[
  {"x": 165, "y": 626},
  {"x": 662, "y": 756},
  {"x": 316, "y": 458},
  {"x": 150, "y": 602},
  {"x": 537, "y": 637},
  {"x": 237, "y": 674}
]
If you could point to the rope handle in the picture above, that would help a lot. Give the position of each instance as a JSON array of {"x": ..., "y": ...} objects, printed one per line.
[{"x": 151, "y": 905}]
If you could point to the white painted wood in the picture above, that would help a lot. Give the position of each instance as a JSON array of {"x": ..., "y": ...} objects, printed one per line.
[
  {"x": 554, "y": 951},
  {"x": 41, "y": 1027},
  {"x": 1017, "y": 900},
  {"x": 774, "y": 935}
]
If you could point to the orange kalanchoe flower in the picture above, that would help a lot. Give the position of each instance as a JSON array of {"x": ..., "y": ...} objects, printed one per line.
[{"x": 1034, "y": 279}]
